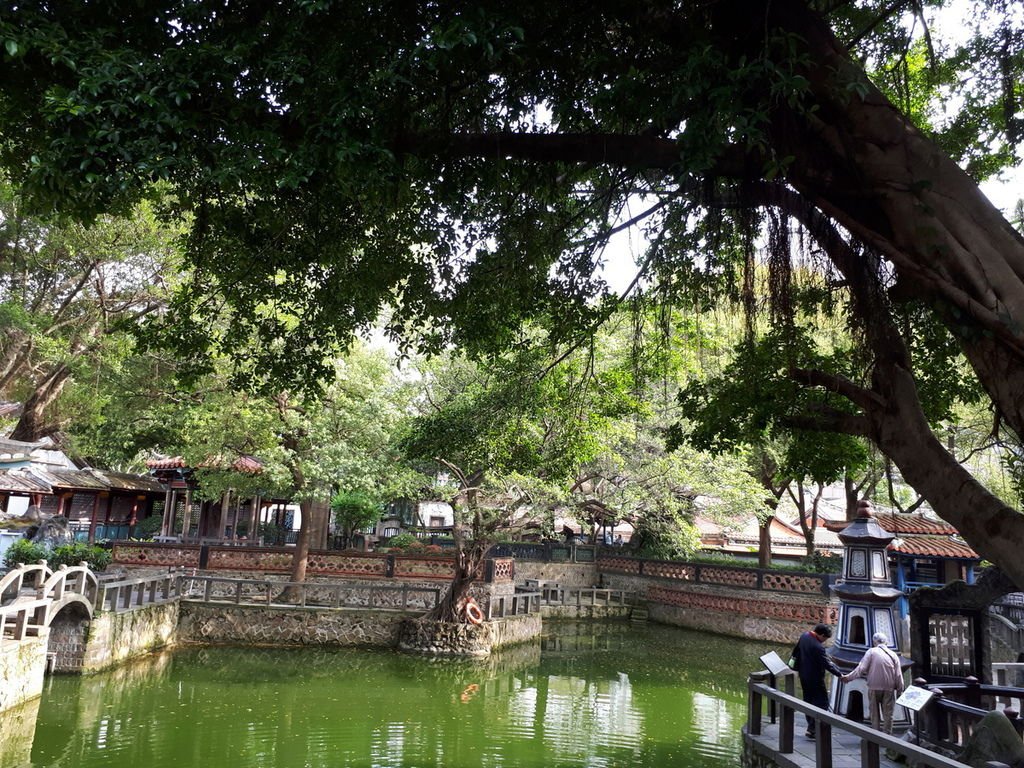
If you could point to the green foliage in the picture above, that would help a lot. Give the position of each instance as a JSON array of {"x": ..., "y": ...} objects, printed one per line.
[
  {"x": 97, "y": 558},
  {"x": 148, "y": 527},
  {"x": 823, "y": 562},
  {"x": 272, "y": 534},
  {"x": 25, "y": 551},
  {"x": 404, "y": 541},
  {"x": 353, "y": 511}
]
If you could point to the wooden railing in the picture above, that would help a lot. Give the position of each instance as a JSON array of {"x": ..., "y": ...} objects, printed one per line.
[
  {"x": 871, "y": 742},
  {"x": 399, "y": 597},
  {"x": 951, "y": 716},
  {"x": 129, "y": 594}
]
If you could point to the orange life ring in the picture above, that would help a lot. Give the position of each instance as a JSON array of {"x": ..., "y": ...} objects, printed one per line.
[{"x": 473, "y": 613}]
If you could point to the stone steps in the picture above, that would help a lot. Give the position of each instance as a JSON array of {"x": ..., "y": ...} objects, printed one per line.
[{"x": 638, "y": 615}]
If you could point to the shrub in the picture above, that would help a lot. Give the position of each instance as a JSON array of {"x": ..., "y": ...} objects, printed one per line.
[
  {"x": 823, "y": 562},
  {"x": 72, "y": 554},
  {"x": 24, "y": 551},
  {"x": 403, "y": 541},
  {"x": 148, "y": 527}
]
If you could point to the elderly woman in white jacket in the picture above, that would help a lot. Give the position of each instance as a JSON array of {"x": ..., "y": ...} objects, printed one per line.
[{"x": 881, "y": 667}]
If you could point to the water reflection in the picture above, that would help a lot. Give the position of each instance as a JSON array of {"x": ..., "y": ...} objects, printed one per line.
[{"x": 586, "y": 694}]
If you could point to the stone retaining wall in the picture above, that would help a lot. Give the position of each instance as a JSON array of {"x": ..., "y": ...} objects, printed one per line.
[
  {"x": 261, "y": 625},
  {"x": 752, "y": 614},
  {"x": 566, "y": 574},
  {"x": 18, "y": 732},
  {"x": 22, "y": 667},
  {"x": 113, "y": 638},
  {"x": 444, "y": 639},
  {"x": 586, "y": 611}
]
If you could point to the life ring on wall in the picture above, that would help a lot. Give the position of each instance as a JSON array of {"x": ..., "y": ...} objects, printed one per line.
[{"x": 472, "y": 612}]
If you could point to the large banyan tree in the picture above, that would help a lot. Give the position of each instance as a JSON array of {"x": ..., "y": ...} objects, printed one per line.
[{"x": 465, "y": 162}]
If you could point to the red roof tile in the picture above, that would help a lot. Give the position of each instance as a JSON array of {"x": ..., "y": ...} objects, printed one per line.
[
  {"x": 903, "y": 522},
  {"x": 246, "y": 464},
  {"x": 175, "y": 462},
  {"x": 934, "y": 546}
]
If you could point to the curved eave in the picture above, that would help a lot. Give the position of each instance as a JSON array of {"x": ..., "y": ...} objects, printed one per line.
[{"x": 867, "y": 593}]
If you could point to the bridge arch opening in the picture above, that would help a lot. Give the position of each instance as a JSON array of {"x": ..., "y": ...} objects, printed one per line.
[{"x": 66, "y": 644}]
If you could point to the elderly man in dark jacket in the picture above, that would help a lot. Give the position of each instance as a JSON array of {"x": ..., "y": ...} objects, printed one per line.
[{"x": 811, "y": 662}]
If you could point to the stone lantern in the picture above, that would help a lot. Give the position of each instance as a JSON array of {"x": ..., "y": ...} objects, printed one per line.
[{"x": 866, "y": 606}]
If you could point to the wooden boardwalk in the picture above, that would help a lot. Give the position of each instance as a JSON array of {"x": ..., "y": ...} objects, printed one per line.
[
  {"x": 845, "y": 749},
  {"x": 841, "y": 743}
]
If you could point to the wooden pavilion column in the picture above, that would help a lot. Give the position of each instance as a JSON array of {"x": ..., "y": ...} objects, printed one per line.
[
  {"x": 186, "y": 523},
  {"x": 168, "y": 519},
  {"x": 95, "y": 515},
  {"x": 225, "y": 504},
  {"x": 254, "y": 517}
]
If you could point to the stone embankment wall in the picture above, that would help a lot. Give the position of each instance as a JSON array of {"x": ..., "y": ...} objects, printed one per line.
[
  {"x": 566, "y": 574},
  {"x": 771, "y": 606},
  {"x": 18, "y": 733},
  {"x": 113, "y": 638},
  {"x": 443, "y": 639},
  {"x": 22, "y": 668},
  {"x": 586, "y": 612},
  {"x": 261, "y": 625}
]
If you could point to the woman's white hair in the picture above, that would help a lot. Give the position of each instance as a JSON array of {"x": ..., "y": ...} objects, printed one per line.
[{"x": 879, "y": 638}]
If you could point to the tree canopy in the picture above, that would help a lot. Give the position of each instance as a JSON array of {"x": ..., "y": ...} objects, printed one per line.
[{"x": 464, "y": 163}]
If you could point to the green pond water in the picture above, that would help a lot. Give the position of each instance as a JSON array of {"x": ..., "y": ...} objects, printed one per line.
[{"x": 585, "y": 695}]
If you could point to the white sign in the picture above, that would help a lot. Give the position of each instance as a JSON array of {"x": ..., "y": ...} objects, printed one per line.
[
  {"x": 915, "y": 698},
  {"x": 775, "y": 664}
]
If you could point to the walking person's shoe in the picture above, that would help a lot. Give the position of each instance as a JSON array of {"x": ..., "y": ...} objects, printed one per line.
[{"x": 809, "y": 735}]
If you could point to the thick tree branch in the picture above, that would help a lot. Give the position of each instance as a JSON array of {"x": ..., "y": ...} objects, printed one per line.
[{"x": 856, "y": 394}]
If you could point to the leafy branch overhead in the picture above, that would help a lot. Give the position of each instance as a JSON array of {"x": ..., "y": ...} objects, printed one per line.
[{"x": 464, "y": 166}]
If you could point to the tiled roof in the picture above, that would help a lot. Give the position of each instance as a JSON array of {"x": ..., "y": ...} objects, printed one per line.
[
  {"x": 933, "y": 546},
  {"x": 123, "y": 481},
  {"x": 247, "y": 464},
  {"x": 904, "y": 522},
  {"x": 70, "y": 479},
  {"x": 21, "y": 481},
  {"x": 34, "y": 480},
  {"x": 174, "y": 462}
]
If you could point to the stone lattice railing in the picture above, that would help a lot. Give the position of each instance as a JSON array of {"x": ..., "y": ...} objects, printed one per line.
[
  {"x": 718, "y": 575},
  {"x": 236, "y": 559}
]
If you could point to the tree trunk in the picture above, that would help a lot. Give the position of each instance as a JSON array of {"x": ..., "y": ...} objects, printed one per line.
[
  {"x": 469, "y": 563},
  {"x": 993, "y": 529},
  {"x": 320, "y": 514},
  {"x": 850, "y": 489},
  {"x": 300, "y": 559},
  {"x": 32, "y": 425},
  {"x": 861, "y": 162},
  {"x": 764, "y": 542}
]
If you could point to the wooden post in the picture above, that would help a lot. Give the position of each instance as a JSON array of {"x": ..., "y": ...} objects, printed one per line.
[
  {"x": 95, "y": 515},
  {"x": 170, "y": 501},
  {"x": 225, "y": 502},
  {"x": 186, "y": 523}
]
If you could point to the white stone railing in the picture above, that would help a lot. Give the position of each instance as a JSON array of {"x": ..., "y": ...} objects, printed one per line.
[
  {"x": 129, "y": 594},
  {"x": 26, "y": 618},
  {"x": 26, "y": 576}
]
